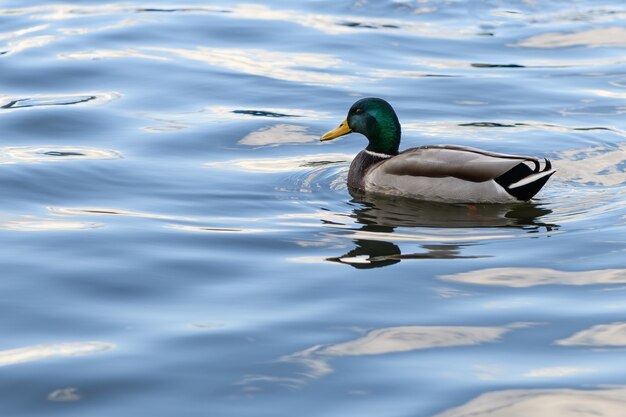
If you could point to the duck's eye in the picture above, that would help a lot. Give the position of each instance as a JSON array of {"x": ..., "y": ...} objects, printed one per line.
[{"x": 358, "y": 111}]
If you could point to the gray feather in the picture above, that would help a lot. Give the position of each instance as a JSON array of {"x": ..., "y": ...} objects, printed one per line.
[{"x": 468, "y": 164}]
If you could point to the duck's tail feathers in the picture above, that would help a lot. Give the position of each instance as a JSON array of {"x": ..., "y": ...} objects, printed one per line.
[{"x": 523, "y": 183}]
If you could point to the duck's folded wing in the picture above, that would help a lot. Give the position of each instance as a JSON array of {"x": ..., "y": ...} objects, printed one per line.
[{"x": 465, "y": 163}]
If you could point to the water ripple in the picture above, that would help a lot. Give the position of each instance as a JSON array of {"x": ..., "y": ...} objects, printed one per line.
[
  {"x": 38, "y": 154},
  {"x": 335, "y": 25},
  {"x": 65, "y": 12},
  {"x": 263, "y": 113},
  {"x": 107, "y": 211},
  {"x": 13, "y": 103},
  {"x": 208, "y": 229},
  {"x": 42, "y": 224},
  {"x": 53, "y": 101},
  {"x": 481, "y": 127},
  {"x": 297, "y": 67},
  {"x": 179, "y": 121}
]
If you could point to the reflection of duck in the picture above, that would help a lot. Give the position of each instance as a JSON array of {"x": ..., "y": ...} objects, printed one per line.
[
  {"x": 375, "y": 254},
  {"x": 381, "y": 215},
  {"x": 381, "y": 210},
  {"x": 444, "y": 173}
]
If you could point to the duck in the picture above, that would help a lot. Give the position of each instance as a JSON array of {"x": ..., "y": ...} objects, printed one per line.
[{"x": 439, "y": 173}]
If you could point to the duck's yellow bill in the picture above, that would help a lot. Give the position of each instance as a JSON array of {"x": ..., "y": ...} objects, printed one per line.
[{"x": 342, "y": 129}]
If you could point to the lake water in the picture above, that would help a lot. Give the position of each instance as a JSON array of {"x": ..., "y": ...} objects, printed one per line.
[{"x": 177, "y": 242}]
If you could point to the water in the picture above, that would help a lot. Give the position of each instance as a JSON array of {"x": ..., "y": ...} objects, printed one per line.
[{"x": 177, "y": 241}]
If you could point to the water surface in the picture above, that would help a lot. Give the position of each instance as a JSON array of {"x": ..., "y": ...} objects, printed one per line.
[{"x": 177, "y": 241}]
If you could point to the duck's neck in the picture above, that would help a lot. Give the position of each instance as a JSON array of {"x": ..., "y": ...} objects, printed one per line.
[
  {"x": 384, "y": 139},
  {"x": 360, "y": 166}
]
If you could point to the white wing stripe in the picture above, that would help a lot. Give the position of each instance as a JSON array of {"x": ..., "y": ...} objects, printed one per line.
[{"x": 531, "y": 178}]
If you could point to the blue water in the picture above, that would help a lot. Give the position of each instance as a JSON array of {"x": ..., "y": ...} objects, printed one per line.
[{"x": 177, "y": 242}]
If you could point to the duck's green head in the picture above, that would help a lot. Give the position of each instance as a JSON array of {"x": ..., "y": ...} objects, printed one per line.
[{"x": 374, "y": 118}]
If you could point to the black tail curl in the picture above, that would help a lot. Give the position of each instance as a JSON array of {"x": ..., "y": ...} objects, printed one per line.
[{"x": 522, "y": 171}]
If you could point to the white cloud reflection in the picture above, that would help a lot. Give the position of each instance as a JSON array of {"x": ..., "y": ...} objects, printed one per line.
[
  {"x": 39, "y": 352},
  {"x": 278, "y": 134},
  {"x": 558, "y": 372},
  {"x": 605, "y": 402},
  {"x": 601, "y": 335},
  {"x": 106, "y": 53},
  {"x": 83, "y": 31},
  {"x": 599, "y": 37},
  {"x": 605, "y": 93},
  {"x": 277, "y": 165},
  {"x": 64, "y": 395},
  {"x": 20, "y": 32},
  {"x": 43, "y": 224},
  {"x": 599, "y": 165},
  {"x": 396, "y": 339},
  {"x": 28, "y": 43},
  {"x": 22, "y": 44},
  {"x": 406, "y": 338},
  {"x": 529, "y": 277}
]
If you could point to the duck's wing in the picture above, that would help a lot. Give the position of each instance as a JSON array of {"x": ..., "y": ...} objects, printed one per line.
[
  {"x": 521, "y": 176},
  {"x": 461, "y": 162}
]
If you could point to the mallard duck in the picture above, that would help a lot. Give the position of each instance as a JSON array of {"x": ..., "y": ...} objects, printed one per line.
[{"x": 444, "y": 173}]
